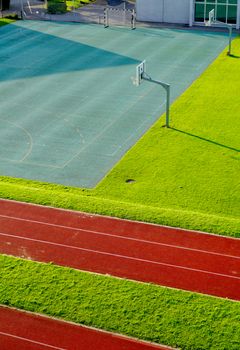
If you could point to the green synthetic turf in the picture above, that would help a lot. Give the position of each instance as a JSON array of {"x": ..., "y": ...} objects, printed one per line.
[
  {"x": 187, "y": 176},
  {"x": 180, "y": 319}
]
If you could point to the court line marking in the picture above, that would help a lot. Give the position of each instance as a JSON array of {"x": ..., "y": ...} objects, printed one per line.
[
  {"x": 29, "y": 136},
  {"x": 134, "y": 134},
  {"x": 117, "y": 236},
  {"x": 31, "y": 341},
  {"x": 103, "y": 131},
  {"x": 69, "y": 160},
  {"x": 120, "y": 256}
]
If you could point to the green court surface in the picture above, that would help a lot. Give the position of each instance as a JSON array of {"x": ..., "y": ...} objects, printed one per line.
[{"x": 69, "y": 110}]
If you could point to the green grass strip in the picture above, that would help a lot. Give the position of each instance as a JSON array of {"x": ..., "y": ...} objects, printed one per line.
[
  {"x": 78, "y": 3},
  {"x": 84, "y": 200},
  {"x": 186, "y": 176},
  {"x": 4, "y": 21},
  {"x": 146, "y": 311}
]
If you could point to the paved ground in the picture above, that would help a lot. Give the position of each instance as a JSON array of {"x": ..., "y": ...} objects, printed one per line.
[
  {"x": 93, "y": 13},
  {"x": 75, "y": 110}
]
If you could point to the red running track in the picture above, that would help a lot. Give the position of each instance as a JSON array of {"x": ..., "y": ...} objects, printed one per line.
[
  {"x": 176, "y": 258},
  {"x": 25, "y": 331}
]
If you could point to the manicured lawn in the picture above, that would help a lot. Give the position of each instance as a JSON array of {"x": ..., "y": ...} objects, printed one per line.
[
  {"x": 78, "y": 3},
  {"x": 185, "y": 176},
  {"x": 4, "y": 21},
  {"x": 180, "y": 319}
]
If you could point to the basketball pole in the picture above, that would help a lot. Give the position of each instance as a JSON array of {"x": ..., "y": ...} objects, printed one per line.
[
  {"x": 229, "y": 26},
  {"x": 142, "y": 75},
  {"x": 212, "y": 20},
  {"x": 167, "y": 89},
  {"x": 230, "y": 40}
]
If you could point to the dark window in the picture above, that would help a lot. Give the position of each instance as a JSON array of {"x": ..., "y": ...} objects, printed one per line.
[{"x": 225, "y": 10}]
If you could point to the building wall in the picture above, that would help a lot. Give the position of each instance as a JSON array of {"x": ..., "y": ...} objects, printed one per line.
[
  {"x": 169, "y": 11},
  {"x": 150, "y": 10},
  {"x": 187, "y": 11},
  {"x": 176, "y": 11}
]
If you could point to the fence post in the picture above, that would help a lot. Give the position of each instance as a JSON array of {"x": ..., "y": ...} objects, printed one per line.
[{"x": 105, "y": 18}]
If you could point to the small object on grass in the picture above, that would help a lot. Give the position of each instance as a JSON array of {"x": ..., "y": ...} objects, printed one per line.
[{"x": 129, "y": 181}]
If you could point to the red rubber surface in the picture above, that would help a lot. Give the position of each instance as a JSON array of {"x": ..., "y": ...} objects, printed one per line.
[
  {"x": 171, "y": 257},
  {"x": 24, "y": 331}
]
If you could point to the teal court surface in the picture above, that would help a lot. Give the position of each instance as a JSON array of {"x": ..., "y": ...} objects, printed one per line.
[{"x": 69, "y": 110}]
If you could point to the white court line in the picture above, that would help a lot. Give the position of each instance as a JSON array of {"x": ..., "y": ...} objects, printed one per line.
[
  {"x": 29, "y": 151},
  {"x": 120, "y": 237},
  {"x": 108, "y": 126},
  {"x": 120, "y": 256},
  {"x": 133, "y": 134},
  {"x": 31, "y": 341}
]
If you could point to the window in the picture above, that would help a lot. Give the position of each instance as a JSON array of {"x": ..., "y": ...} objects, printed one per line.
[{"x": 225, "y": 10}]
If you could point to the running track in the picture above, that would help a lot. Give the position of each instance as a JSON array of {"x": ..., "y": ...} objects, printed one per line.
[
  {"x": 25, "y": 331},
  {"x": 171, "y": 257}
]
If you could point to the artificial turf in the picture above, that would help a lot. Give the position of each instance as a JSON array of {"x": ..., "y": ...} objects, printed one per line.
[
  {"x": 180, "y": 319},
  {"x": 187, "y": 175}
]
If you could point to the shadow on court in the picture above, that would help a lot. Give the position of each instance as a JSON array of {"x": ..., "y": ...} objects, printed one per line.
[
  {"x": 69, "y": 110},
  {"x": 27, "y": 53}
]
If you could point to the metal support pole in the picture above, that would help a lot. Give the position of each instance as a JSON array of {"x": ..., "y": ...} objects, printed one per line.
[
  {"x": 106, "y": 20},
  {"x": 107, "y": 17},
  {"x": 22, "y": 10},
  {"x": 167, "y": 89},
  {"x": 133, "y": 19},
  {"x": 230, "y": 40},
  {"x": 229, "y": 26}
]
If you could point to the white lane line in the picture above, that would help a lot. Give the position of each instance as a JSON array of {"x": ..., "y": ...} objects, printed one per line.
[
  {"x": 92, "y": 329},
  {"x": 120, "y": 237},
  {"x": 120, "y": 256},
  {"x": 31, "y": 341},
  {"x": 112, "y": 218}
]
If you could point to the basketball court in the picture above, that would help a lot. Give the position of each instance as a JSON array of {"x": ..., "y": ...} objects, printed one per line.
[{"x": 69, "y": 110}]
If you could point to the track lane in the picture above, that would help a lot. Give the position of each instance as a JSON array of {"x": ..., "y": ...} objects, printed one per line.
[
  {"x": 125, "y": 267},
  {"x": 126, "y": 249},
  {"x": 151, "y": 232},
  {"x": 27, "y": 331},
  {"x": 126, "y": 246}
]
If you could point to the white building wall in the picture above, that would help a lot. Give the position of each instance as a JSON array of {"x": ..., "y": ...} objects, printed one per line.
[
  {"x": 150, "y": 10},
  {"x": 169, "y": 11},
  {"x": 176, "y": 11}
]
